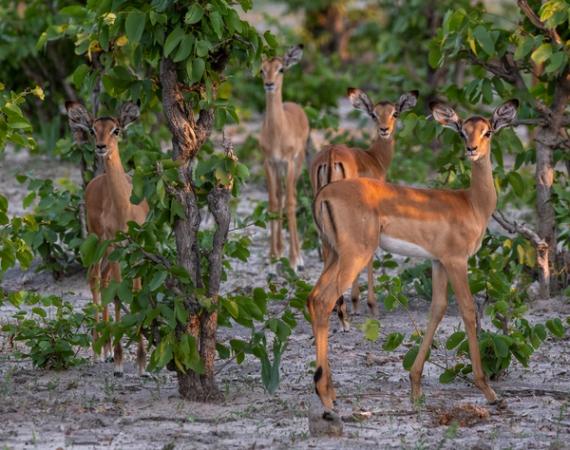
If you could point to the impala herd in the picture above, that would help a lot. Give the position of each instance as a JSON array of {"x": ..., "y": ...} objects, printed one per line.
[{"x": 355, "y": 209}]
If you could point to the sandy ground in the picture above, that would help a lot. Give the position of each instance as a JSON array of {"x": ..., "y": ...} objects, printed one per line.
[{"x": 86, "y": 407}]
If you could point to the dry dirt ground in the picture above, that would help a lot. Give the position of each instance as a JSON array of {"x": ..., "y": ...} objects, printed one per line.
[{"x": 86, "y": 407}]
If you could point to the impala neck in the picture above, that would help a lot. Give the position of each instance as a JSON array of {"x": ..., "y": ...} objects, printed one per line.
[
  {"x": 119, "y": 187},
  {"x": 482, "y": 190},
  {"x": 275, "y": 114},
  {"x": 383, "y": 151}
]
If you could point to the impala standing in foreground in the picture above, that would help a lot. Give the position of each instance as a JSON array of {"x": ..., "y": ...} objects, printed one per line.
[
  {"x": 109, "y": 209},
  {"x": 284, "y": 135},
  {"x": 338, "y": 162},
  {"x": 356, "y": 216}
]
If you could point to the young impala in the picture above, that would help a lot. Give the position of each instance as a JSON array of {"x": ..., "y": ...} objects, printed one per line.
[
  {"x": 337, "y": 162},
  {"x": 284, "y": 135},
  {"x": 356, "y": 216},
  {"x": 109, "y": 208}
]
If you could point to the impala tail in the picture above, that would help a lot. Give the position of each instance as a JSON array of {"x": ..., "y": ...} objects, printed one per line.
[{"x": 326, "y": 220}]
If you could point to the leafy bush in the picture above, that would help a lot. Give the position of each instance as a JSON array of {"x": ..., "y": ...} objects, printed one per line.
[
  {"x": 49, "y": 327},
  {"x": 55, "y": 232}
]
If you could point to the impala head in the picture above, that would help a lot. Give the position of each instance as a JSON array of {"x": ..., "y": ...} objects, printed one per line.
[
  {"x": 384, "y": 114},
  {"x": 105, "y": 130},
  {"x": 272, "y": 69},
  {"x": 476, "y": 131}
]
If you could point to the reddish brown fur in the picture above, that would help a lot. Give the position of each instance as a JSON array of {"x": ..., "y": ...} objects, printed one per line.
[
  {"x": 283, "y": 138},
  {"x": 109, "y": 209},
  {"x": 337, "y": 162},
  {"x": 353, "y": 215}
]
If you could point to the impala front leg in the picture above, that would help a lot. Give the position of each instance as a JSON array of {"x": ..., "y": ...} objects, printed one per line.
[
  {"x": 276, "y": 249},
  {"x": 457, "y": 272},
  {"x": 436, "y": 313},
  {"x": 295, "y": 258},
  {"x": 95, "y": 285}
]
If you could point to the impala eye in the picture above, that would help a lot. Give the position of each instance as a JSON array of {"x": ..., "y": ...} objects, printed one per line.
[
  {"x": 92, "y": 132},
  {"x": 488, "y": 134},
  {"x": 281, "y": 70},
  {"x": 396, "y": 114},
  {"x": 116, "y": 131}
]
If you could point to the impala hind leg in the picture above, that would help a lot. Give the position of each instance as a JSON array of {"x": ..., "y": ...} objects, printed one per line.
[
  {"x": 371, "y": 299},
  {"x": 335, "y": 279},
  {"x": 274, "y": 191},
  {"x": 457, "y": 273},
  {"x": 117, "y": 349},
  {"x": 436, "y": 313},
  {"x": 141, "y": 353},
  {"x": 295, "y": 257}
]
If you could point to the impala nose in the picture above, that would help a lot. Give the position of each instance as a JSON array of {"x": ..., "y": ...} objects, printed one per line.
[
  {"x": 472, "y": 149},
  {"x": 384, "y": 130},
  {"x": 269, "y": 86}
]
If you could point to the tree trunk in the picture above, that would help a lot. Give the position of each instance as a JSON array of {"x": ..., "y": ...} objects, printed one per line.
[
  {"x": 188, "y": 136},
  {"x": 545, "y": 212}
]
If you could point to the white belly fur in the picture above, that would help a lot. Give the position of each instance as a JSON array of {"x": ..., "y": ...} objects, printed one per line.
[{"x": 404, "y": 248}]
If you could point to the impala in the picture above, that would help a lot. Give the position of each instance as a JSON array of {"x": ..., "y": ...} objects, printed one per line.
[
  {"x": 356, "y": 216},
  {"x": 337, "y": 162},
  {"x": 284, "y": 135},
  {"x": 109, "y": 209}
]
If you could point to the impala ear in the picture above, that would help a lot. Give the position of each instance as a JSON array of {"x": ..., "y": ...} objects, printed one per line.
[
  {"x": 78, "y": 117},
  {"x": 128, "y": 114},
  {"x": 361, "y": 101},
  {"x": 445, "y": 115},
  {"x": 292, "y": 56},
  {"x": 407, "y": 101},
  {"x": 505, "y": 114}
]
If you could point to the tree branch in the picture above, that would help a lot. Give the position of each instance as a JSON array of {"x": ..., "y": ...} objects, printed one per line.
[
  {"x": 535, "y": 20},
  {"x": 539, "y": 244},
  {"x": 180, "y": 118}
]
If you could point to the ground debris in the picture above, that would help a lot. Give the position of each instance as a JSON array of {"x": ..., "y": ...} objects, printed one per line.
[{"x": 465, "y": 414}]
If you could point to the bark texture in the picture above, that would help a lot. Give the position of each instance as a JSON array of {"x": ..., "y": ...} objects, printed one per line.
[{"x": 188, "y": 136}]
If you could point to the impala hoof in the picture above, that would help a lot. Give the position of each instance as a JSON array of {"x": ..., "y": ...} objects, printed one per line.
[
  {"x": 323, "y": 421},
  {"x": 118, "y": 374}
]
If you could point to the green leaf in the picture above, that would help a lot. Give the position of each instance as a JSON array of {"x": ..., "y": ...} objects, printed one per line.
[
  {"x": 556, "y": 62},
  {"x": 542, "y": 53},
  {"x": 393, "y": 341},
  {"x": 517, "y": 183},
  {"x": 173, "y": 40},
  {"x": 217, "y": 23},
  {"x": 410, "y": 357},
  {"x": 556, "y": 327},
  {"x": 500, "y": 345},
  {"x": 523, "y": 49},
  {"x": 202, "y": 47},
  {"x": 184, "y": 48},
  {"x": 447, "y": 376},
  {"x": 371, "y": 329},
  {"x": 87, "y": 250},
  {"x": 134, "y": 26},
  {"x": 157, "y": 280},
  {"x": 483, "y": 37},
  {"x": 454, "y": 340},
  {"x": 196, "y": 71},
  {"x": 194, "y": 14},
  {"x": 270, "y": 39}
]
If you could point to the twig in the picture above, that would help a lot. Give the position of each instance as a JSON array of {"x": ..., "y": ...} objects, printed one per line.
[
  {"x": 539, "y": 244},
  {"x": 535, "y": 20}
]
